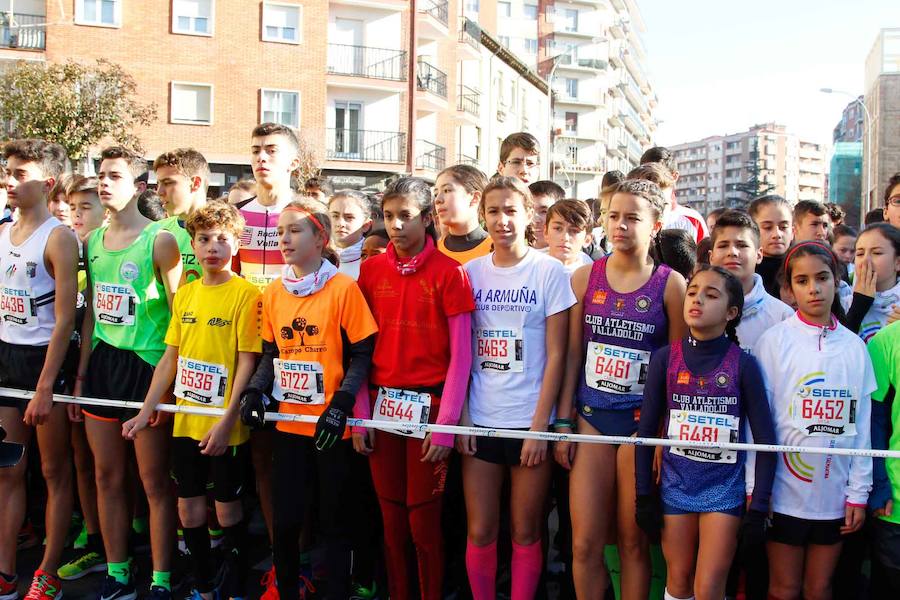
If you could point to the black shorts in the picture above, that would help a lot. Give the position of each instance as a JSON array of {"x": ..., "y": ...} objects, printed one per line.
[
  {"x": 612, "y": 422},
  {"x": 20, "y": 368},
  {"x": 886, "y": 548},
  {"x": 499, "y": 451},
  {"x": 195, "y": 474},
  {"x": 794, "y": 531},
  {"x": 115, "y": 374}
]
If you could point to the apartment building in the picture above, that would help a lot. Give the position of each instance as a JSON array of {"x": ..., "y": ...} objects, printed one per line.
[
  {"x": 882, "y": 97},
  {"x": 851, "y": 126},
  {"x": 711, "y": 169}
]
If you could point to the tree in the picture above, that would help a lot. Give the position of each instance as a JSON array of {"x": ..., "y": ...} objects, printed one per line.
[
  {"x": 757, "y": 182},
  {"x": 74, "y": 105}
]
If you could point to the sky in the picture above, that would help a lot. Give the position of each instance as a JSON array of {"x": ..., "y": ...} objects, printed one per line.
[{"x": 721, "y": 66}]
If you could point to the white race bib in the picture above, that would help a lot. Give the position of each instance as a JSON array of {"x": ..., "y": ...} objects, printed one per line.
[
  {"x": 17, "y": 307},
  {"x": 299, "y": 382},
  {"x": 402, "y": 406},
  {"x": 114, "y": 304},
  {"x": 201, "y": 382},
  {"x": 500, "y": 350},
  {"x": 615, "y": 369},
  {"x": 821, "y": 411},
  {"x": 697, "y": 426}
]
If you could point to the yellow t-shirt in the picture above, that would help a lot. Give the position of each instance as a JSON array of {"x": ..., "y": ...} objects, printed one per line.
[
  {"x": 210, "y": 325},
  {"x": 310, "y": 333}
]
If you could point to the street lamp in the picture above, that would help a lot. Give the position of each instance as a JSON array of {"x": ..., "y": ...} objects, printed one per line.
[{"x": 864, "y": 201}]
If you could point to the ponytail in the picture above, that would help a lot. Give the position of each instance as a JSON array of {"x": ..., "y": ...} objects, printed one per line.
[{"x": 731, "y": 331}]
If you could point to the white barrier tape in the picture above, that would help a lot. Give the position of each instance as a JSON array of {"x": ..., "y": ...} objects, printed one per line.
[{"x": 547, "y": 436}]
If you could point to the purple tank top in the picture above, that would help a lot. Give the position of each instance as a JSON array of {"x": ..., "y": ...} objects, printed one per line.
[
  {"x": 703, "y": 407},
  {"x": 620, "y": 332}
]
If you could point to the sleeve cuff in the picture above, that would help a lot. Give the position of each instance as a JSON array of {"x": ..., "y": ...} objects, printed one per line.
[{"x": 442, "y": 439}]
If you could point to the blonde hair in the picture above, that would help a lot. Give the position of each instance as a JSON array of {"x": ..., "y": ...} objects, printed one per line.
[{"x": 215, "y": 215}]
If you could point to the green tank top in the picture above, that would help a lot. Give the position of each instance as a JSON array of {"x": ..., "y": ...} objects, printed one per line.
[
  {"x": 129, "y": 303},
  {"x": 191, "y": 267}
]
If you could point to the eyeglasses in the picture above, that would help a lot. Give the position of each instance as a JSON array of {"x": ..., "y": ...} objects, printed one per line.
[
  {"x": 894, "y": 201},
  {"x": 518, "y": 162}
]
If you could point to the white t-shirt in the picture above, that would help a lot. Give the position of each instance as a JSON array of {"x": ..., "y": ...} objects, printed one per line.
[
  {"x": 879, "y": 312},
  {"x": 350, "y": 258},
  {"x": 761, "y": 312},
  {"x": 819, "y": 381},
  {"x": 509, "y": 332},
  {"x": 583, "y": 259},
  {"x": 688, "y": 219}
]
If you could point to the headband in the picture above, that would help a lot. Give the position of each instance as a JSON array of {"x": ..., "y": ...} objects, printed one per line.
[
  {"x": 807, "y": 243},
  {"x": 303, "y": 211}
]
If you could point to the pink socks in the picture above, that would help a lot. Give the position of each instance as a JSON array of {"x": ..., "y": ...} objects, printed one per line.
[
  {"x": 481, "y": 565},
  {"x": 526, "y": 570}
]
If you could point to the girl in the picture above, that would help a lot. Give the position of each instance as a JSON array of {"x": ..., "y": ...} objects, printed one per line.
[
  {"x": 458, "y": 191},
  {"x": 522, "y": 297},
  {"x": 704, "y": 378},
  {"x": 614, "y": 329},
  {"x": 421, "y": 300},
  {"x": 819, "y": 379},
  {"x": 318, "y": 337},
  {"x": 878, "y": 253},
  {"x": 351, "y": 214}
]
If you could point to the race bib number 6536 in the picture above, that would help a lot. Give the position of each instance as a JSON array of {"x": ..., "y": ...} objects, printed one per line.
[{"x": 201, "y": 382}]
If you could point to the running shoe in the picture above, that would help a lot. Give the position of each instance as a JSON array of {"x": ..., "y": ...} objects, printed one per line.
[
  {"x": 44, "y": 586},
  {"x": 9, "y": 588},
  {"x": 361, "y": 592},
  {"x": 270, "y": 586},
  {"x": 195, "y": 595},
  {"x": 157, "y": 592},
  {"x": 113, "y": 590},
  {"x": 85, "y": 564}
]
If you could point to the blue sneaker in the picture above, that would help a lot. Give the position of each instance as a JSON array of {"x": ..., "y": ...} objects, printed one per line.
[
  {"x": 195, "y": 595},
  {"x": 158, "y": 592},
  {"x": 113, "y": 590}
]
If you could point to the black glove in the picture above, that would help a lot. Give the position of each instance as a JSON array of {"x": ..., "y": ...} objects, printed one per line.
[
  {"x": 253, "y": 408},
  {"x": 331, "y": 424},
  {"x": 753, "y": 530},
  {"x": 648, "y": 514}
]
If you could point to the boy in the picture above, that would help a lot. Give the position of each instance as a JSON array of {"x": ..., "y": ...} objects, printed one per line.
[
  {"x": 210, "y": 366},
  {"x": 545, "y": 194},
  {"x": 375, "y": 244},
  {"x": 892, "y": 201},
  {"x": 772, "y": 215},
  {"x": 133, "y": 270},
  {"x": 844, "y": 247},
  {"x": 319, "y": 188},
  {"x": 84, "y": 205},
  {"x": 182, "y": 177},
  {"x": 567, "y": 231},
  {"x": 38, "y": 282},
  {"x": 811, "y": 221},
  {"x": 520, "y": 157},
  {"x": 677, "y": 215},
  {"x": 736, "y": 248}
]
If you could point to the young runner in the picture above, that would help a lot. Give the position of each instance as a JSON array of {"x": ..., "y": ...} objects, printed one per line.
[
  {"x": 422, "y": 303},
  {"x": 567, "y": 229},
  {"x": 521, "y": 315},
  {"x": 38, "y": 282},
  {"x": 182, "y": 177},
  {"x": 133, "y": 270},
  {"x": 878, "y": 254},
  {"x": 613, "y": 331},
  {"x": 892, "y": 201},
  {"x": 676, "y": 249},
  {"x": 811, "y": 221},
  {"x": 520, "y": 157},
  {"x": 211, "y": 347},
  {"x": 318, "y": 338},
  {"x": 704, "y": 388},
  {"x": 318, "y": 188},
  {"x": 351, "y": 216},
  {"x": 375, "y": 244},
  {"x": 773, "y": 216},
  {"x": 545, "y": 194},
  {"x": 57, "y": 201},
  {"x": 601, "y": 242},
  {"x": 819, "y": 379},
  {"x": 457, "y": 195},
  {"x": 844, "y": 246}
]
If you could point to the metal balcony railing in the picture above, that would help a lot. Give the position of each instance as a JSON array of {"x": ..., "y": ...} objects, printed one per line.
[
  {"x": 431, "y": 157},
  {"x": 23, "y": 31},
  {"x": 363, "y": 61},
  {"x": 431, "y": 79},
  {"x": 469, "y": 33},
  {"x": 468, "y": 100},
  {"x": 437, "y": 9},
  {"x": 365, "y": 145},
  {"x": 464, "y": 159}
]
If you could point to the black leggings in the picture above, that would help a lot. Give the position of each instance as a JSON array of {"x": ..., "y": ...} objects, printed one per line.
[{"x": 298, "y": 472}]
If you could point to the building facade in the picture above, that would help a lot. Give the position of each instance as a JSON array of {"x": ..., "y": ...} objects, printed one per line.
[
  {"x": 712, "y": 170},
  {"x": 845, "y": 176},
  {"x": 882, "y": 96},
  {"x": 852, "y": 124}
]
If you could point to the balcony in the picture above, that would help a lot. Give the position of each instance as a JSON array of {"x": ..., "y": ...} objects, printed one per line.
[
  {"x": 635, "y": 95},
  {"x": 361, "y": 145},
  {"x": 362, "y": 61},
  {"x": 590, "y": 169},
  {"x": 434, "y": 18},
  {"x": 26, "y": 32},
  {"x": 465, "y": 159},
  {"x": 469, "y": 40},
  {"x": 468, "y": 102},
  {"x": 567, "y": 62},
  {"x": 431, "y": 156},
  {"x": 431, "y": 79},
  {"x": 632, "y": 120},
  {"x": 634, "y": 150}
]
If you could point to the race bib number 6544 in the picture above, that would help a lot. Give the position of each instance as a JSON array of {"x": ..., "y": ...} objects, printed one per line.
[{"x": 402, "y": 406}]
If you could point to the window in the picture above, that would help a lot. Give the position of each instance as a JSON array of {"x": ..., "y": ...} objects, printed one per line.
[
  {"x": 281, "y": 23},
  {"x": 191, "y": 103},
  {"x": 280, "y": 106},
  {"x": 531, "y": 46},
  {"x": 504, "y": 9},
  {"x": 531, "y": 11},
  {"x": 103, "y": 13},
  {"x": 570, "y": 19},
  {"x": 472, "y": 6},
  {"x": 571, "y": 87},
  {"x": 504, "y": 41},
  {"x": 572, "y": 123},
  {"x": 194, "y": 17}
]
